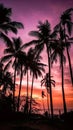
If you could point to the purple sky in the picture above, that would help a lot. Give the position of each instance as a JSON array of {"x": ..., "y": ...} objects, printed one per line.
[{"x": 29, "y": 12}]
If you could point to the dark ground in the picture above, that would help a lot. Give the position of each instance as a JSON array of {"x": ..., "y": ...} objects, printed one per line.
[{"x": 19, "y": 121}]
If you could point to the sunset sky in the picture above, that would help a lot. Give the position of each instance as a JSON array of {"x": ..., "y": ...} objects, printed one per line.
[{"x": 29, "y": 12}]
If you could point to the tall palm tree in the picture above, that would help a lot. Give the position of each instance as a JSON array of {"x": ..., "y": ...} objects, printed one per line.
[
  {"x": 12, "y": 52},
  {"x": 59, "y": 47},
  {"x": 33, "y": 64},
  {"x": 66, "y": 21},
  {"x": 44, "y": 37},
  {"x": 66, "y": 25},
  {"x": 46, "y": 82},
  {"x": 7, "y": 25},
  {"x": 36, "y": 69},
  {"x": 20, "y": 69},
  {"x": 28, "y": 63}
]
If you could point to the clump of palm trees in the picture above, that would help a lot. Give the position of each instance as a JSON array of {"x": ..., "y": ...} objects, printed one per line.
[{"x": 25, "y": 63}]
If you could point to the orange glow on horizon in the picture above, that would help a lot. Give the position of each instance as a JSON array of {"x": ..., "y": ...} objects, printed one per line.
[{"x": 57, "y": 96}]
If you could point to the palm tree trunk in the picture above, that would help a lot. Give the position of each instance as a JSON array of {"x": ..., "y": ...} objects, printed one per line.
[
  {"x": 48, "y": 102},
  {"x": 27, "y": 92},
  {"x": 14, "y": 88},
  {"x": 51, "y": 101},
  {"x": 19, "y": 90},
  {"x": 62, "y": 74},
  {"x": 69, "y": 60},
  {"x": 43, "y": 104},
  {"x": 70, "y": 66},
  {"x": 31, "y": 94},
  {"x": 63, "y": 94}
]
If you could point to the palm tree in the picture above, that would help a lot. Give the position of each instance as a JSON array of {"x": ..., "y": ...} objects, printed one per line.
[
  {"x": 28, "y": 63},
  {"x": 5, "y": 78},
  {"x": 46, "y": 82},
  {"x": 36, "y": 69},
  {"x": 66, "y": 21},
  {"x": 20, "y": 69},
  {"x": 59, "y": 47},
  {"x": 7, "y": 25},
  {"x": 13, "y": 54},
  {"x": 44, "y": 38},
  {"x": 43, "y": 95},
  {"x": 7, "y": 82},
  {"x": 66, "y": 25},
  {"x": 33, "y": 64}
]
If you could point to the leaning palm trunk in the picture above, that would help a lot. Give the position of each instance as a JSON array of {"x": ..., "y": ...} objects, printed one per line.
[
  {"x": 63, "y": 93},
  {"x": 70, "y": 66},
  {"x": 51, "y": 102},
  {"x": 31, "y": 94},
  {"x": 69, "y": 60},
  {"x": 21, "y": 76},
  {"x": 62, "y": 73}
]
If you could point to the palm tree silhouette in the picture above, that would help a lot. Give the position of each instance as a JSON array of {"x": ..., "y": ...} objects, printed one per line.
[
  {"x": 13, "y": 54},
  {"x": 59, "y": 47},
  {"x": 20, "y": 69},
  {"x": 43, "y": 95},
  {"x": 66, "y": 22},
  {"x": 36, "y": 69},
  {"x": 46, "y": 82},
  {"x": 5, "y": 78},
  {"x": 66, "y": 25},
  {"x": 33, "y": 64},
  {"x": 44, "y": 38},
  {"x": 63, "y": 29},
  {"x": 7, "y": 25},
  {"x": 28, "y": 62}
]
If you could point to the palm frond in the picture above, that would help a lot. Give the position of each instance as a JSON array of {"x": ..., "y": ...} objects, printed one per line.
[
  {"x": 10, "y": 27},
  {"x": 17, "y": 24},
  {"x": 57, "y": 27},
  {"x": 35, "y": 33},
  {"x": 17, "y": 42},
  {"x": 71, "y": 38},
  {"x": 6, "y": 39},
  {"x": 33, "y": 42},
  {"x": 9, "y": 50},
  {"x": 69, "y": 27},
  {"x": 68, "y": 11},
  {"x": 5, "y": 14},
  {"x": 6, "y": 58},
  {"x": 7, "y": 66}
]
